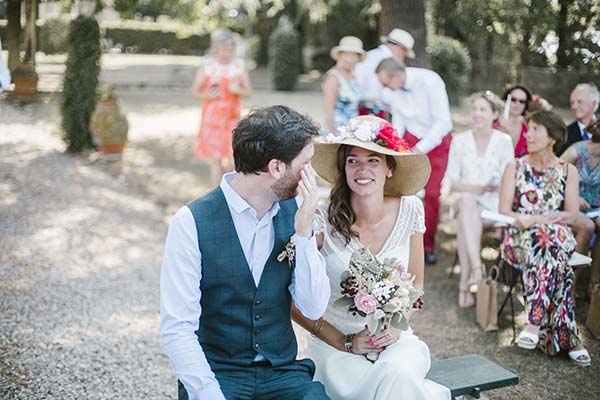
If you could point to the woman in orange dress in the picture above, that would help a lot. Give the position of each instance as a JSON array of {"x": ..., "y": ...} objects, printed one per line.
[{"x": 219, "y": 85}]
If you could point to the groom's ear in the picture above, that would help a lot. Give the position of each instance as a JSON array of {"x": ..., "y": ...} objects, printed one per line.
[{"x": 276, "y": 168}]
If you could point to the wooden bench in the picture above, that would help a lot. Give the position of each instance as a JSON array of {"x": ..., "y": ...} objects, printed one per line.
[{"x": 470, "y": 375}]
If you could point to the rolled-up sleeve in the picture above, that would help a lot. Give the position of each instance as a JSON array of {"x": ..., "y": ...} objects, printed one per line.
[
  {"x": 180, "y": 309},
  {"x": 440, "y": 114}
]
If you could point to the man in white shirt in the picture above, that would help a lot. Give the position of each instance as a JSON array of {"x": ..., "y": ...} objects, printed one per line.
[
  {"x": 235, "y": 260},
  {"x": 584, "y": 103},
  {"x": 419, "y": 105},
  {"x": 398, "y": 44}
]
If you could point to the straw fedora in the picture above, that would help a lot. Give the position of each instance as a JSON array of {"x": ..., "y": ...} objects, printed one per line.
[
  {"x": 401, "y": 38},
  {"x": 348, "y": 43},
  {"x": 376, "y": 134}
]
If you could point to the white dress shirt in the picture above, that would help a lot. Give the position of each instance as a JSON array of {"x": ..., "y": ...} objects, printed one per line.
[
  {"x": 421, "y": 107},
  {"x": 364, "y": 72},
  {"x": 180, "y": 293}
]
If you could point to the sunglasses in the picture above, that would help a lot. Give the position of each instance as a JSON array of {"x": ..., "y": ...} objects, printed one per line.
[{"x": 521, "y": 101}]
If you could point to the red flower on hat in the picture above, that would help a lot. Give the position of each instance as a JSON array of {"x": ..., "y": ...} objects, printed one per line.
[{"x": 387, "y": 136}]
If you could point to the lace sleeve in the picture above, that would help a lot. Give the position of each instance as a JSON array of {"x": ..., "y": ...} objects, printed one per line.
[
  {"x": 320, "y": 220},
  {"x": 415, "y": 214}
]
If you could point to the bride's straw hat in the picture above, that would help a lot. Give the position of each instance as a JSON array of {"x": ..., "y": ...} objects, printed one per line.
[{"x": 376, "y": 134}]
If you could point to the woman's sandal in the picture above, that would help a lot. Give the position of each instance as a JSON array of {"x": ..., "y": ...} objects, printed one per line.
[
  {"x": 465, "y": 299},
  {"x": 527, "y": 340},
  {"x": 580, "y": 357},
  {"x": 476, "y": 276}
]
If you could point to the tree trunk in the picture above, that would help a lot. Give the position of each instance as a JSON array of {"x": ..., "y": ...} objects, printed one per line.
[
  {"x": 13, "y": 33},
  {"x": 410, "y": 16},
  {"x": 444, "y": 23},
  {"x": 564, "y": 45},
  {"x": 29, "y": 31}
]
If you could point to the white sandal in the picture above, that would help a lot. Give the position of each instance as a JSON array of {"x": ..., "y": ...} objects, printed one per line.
[
  {"x": 527, "y": 340},
  {"x": 575, "y": 356}
]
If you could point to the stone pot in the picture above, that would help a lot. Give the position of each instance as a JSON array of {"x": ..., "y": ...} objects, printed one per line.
[
  {"x": 108, "y": 124},
  {"x": 25, "y": 79}
]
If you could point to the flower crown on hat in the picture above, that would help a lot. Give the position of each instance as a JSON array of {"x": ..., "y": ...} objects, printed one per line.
[{"x": 382, "y": 133}]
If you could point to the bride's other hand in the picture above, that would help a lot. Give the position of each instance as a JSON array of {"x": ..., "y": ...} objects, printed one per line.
[
  {"x": 387, "y": 337},
  {"x": 363, "y": 343}
]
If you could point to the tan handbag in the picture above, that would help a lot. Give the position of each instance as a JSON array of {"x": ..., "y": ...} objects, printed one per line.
[
  {"x": 487, "y": 301},
  {"x": 593, "y": 318}
]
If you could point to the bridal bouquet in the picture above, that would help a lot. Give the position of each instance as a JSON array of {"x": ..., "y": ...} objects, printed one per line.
[{"x": 379, "y": 291}]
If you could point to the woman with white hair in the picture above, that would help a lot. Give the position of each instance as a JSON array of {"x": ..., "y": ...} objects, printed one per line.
[{"x": 219, "y": 85}]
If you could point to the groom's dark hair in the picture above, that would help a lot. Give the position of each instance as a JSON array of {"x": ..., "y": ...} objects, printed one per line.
[{"x": 270, "y": 133}]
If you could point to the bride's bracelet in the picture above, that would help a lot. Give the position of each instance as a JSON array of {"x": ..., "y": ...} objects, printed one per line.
[
  {"x": 348, "y": 342},
  {"x": 315, "y": 331}
]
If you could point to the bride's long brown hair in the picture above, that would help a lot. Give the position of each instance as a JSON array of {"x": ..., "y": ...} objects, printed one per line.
[{"x": 341, "y": 216}]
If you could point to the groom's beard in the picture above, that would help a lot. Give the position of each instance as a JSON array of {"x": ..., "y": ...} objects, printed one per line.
[{"x": 286, "y": 187}]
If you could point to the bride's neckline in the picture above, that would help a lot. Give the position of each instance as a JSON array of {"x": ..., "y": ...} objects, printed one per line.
[{"x": 359, "y": 244}]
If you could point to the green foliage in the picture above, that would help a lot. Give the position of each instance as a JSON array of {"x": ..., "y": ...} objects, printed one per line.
[
  {"x": 451, "y": 60},
  {"x": 53, "y": 36},
  {"x": 152, "y": 38},
  {"x": 284, "y": 57},
  {"x": 80, "y": 81},
  {"x": 144, "y": 8}
]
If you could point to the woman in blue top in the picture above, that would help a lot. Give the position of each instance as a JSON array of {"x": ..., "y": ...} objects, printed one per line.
[
  {"x": 341, "y": 92},
  {"x": 585, "y": 155}
]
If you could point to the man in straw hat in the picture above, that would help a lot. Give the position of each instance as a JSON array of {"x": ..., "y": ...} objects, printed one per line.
[
  {"x": 371, "y": 205},
  {"x": 398, "y": 44},
  {"x": 421, "y": 112},
  {"x": 235, "y": 260}
]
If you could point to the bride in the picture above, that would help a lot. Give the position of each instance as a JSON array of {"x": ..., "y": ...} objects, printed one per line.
[{"x": 372, "y": 205}]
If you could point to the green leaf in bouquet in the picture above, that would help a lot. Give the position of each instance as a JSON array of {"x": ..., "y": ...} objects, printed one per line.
[{"x": 343, "y": 302}]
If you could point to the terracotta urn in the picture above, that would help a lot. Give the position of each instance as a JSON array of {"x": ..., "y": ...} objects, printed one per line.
[
  {"x": 25, "y": 79},
  {"x": 108, "y": 124}
]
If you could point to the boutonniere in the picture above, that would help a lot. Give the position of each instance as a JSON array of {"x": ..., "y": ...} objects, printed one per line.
[{"x": 289, "y": 252}]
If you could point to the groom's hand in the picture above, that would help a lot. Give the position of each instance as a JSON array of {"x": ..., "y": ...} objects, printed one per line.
[{"x": 307, "y": 188}]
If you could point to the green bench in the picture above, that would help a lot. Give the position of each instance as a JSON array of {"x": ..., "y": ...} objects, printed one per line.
[{"x": 470, "y": 375}]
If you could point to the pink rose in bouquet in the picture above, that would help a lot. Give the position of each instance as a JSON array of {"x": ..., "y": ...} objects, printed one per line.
[{"x": 365, "y": 303}]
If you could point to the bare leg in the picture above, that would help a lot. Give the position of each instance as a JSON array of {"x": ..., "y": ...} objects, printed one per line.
[
  {"x": 468, "y": 242},
  {"x": 584, "y": 230}
]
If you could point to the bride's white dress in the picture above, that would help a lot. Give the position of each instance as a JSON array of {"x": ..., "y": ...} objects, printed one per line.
[{"x": 400, "y": 371}]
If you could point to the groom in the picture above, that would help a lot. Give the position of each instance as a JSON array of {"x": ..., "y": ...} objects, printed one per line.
[{"x": 230, "y": 274}]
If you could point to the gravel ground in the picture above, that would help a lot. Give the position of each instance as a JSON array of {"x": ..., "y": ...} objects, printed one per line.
[{"x": 80, "y": 252}]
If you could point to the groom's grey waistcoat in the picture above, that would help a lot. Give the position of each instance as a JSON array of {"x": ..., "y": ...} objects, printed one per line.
[{"x": 238, "y": 319}]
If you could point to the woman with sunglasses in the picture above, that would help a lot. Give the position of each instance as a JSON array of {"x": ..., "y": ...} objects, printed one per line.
[{"x": 515, "y": 126}]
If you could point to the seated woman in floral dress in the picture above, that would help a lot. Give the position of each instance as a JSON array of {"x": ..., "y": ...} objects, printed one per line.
[
  {"x": 372, "y": 205},
  {"x": 540, "y": 191}
]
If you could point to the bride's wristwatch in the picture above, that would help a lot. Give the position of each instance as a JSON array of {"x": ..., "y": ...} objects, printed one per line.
[{"x": 348, "y": 342}]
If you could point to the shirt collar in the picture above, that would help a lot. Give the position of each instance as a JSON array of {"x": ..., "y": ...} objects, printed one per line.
[
  {"x": 236, "y": 203},
  {"x": 582, "y": 126}
]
